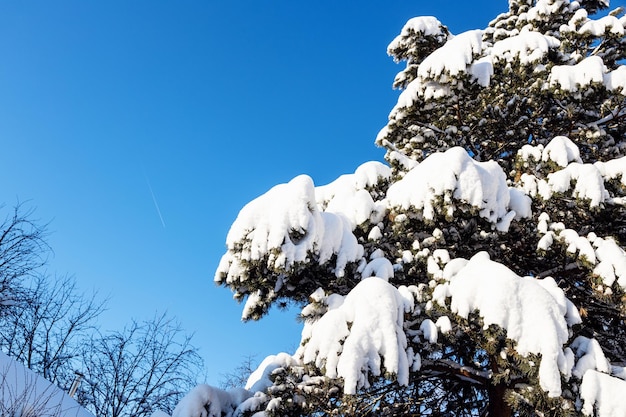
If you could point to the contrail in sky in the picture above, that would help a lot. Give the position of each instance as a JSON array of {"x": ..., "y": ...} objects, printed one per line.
[{"x": 154, "y": 200}]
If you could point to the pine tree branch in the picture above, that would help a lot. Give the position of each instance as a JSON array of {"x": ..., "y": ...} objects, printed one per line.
[
  {"x": 619, "y": 113},
  {"x": 568, "y": 267},
  {"x": 391, "y": 146},
  {"x": 598, "y": 48},
  {"x": 462, "y": 372},
  {"x": 429, "y": 126}
]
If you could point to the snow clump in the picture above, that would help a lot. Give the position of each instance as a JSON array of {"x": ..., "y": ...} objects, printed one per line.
[
  {"x": 360, "y": 336},
  {"x": 535, "y": 315},
  {"x": 207, "y": 401},
  {"x": 259, "y": 380},
  {"x": 604, "y": 392},
  {"x": 529, "y": 46},
  {"x": 455, "y": 175}
]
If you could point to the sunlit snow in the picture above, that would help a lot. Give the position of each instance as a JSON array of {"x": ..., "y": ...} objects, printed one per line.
[
  {"x": 360, "y": 337},
  {"x": 529, "y": 47},
  {"x": 532, "y": 315},
  {"x": 605, "y": 392},
  {"x": 24, "y": 393},
  {"x": 453, "y": 174}
]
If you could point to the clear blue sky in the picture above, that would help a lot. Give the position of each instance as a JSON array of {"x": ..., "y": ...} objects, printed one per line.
[{"x": 205, "y": 105}]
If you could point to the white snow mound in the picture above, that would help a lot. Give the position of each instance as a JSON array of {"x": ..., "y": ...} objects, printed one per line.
[
  {"x": 23, "y": 392},
  {"x": 375, "y": 338},
  {"x": 535, "y": 313},
  {"x": 454, "y": 174}
]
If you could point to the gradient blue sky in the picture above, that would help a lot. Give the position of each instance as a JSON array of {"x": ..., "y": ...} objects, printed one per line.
[{"x": 203, "y": 104}]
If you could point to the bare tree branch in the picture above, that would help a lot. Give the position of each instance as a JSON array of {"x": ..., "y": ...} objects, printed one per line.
[{"x": 146, "y": 367}]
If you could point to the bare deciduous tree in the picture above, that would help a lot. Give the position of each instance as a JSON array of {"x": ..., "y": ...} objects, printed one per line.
[
  {"x": 146, "y": 367},
  {"x": 46, "y": 329},
  {"x": 239, "y": 377},
  {"x": 49, "y": 326},
  {"x": 23, "y": 249}
]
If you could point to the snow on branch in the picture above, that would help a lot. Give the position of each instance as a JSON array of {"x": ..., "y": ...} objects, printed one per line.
[
  {"x": 599, "y": 27},
  {"x": 613, "y": 169},
  {"x": 616, "y": 80},
  {"x": 284, "y": 225},
  {"x": 207, "y": 401},
  {"x": 603, "y": 391},
  {"x": 423, "y": 25},
  {"x": 418, "y": 37},
  {"x": 453, "y": 58},
  {"x": 535, "y": 313},
  {"x": 530, "y": 47},
  {"x": 260, "y": 380},
  {"x": 348, "y": 195},
  {"x": 611, "y": 264},
  {"x": 562, "y": 151},
  {"x": 585, "y": 181},
  {"x": 573, "y": 77},
  {"x": 604, "y": 255},
  {"x": 441, "y": 69},
  {"x": 590, "y": 70},
  {"x": 360, "y": 336},
  {"x": 544, "y": 10},
  {"x": 589, "y": 184},
  {"x": 589, "y": 356},
  {"x": 454, "y": 175},
  {"x": 296, "y": 223}
]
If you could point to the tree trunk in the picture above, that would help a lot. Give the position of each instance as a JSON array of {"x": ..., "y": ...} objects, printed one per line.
[{"x": 497, "y": 406}]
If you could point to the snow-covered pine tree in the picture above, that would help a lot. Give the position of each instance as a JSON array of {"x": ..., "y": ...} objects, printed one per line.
[{"x": 482, "y": 272}]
